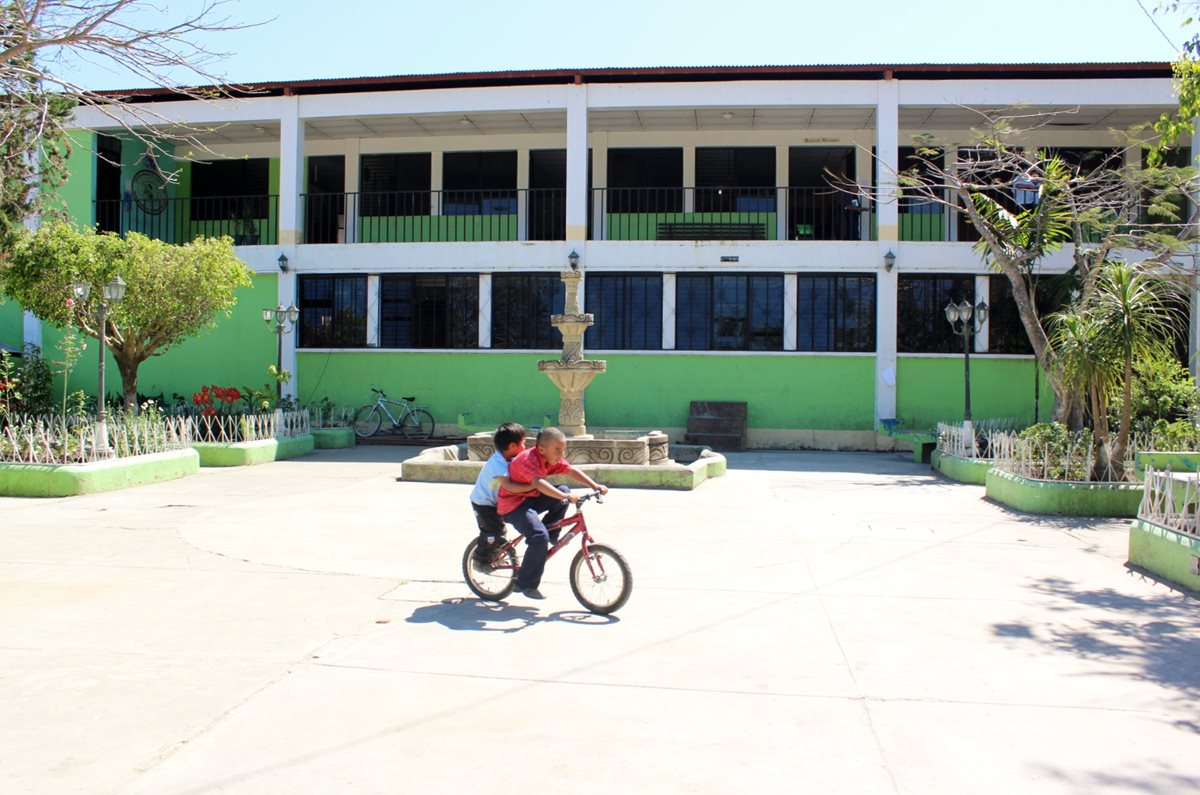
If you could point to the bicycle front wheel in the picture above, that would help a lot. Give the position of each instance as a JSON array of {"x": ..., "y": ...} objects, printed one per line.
[
  {"x": 367, "y": 421},
  {"x": 494, "y": 580},
  {"x": 417, "y": 424},
  {"x": 601, "y": 579}
]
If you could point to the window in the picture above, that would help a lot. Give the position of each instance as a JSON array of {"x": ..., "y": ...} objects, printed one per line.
[
  {"x": 1006, "y": 334},
  {"x": 428, "y": 311},
  {"x": 645, "y": 180},
  {"x": 728, "y": 312},
  {"x": 921, "y": 325},
  {"x": 835, "y": 313},
  {"x": 395, "y": 184},
  {"x": 333, "y": 311},
  {"x": 628, "y": 310},
  {"x": 546, "y": 211},
  {"x": 735, "y": 179},
  {"x": 522, "y": 304},
  {"x": 479, "y": 183},
  {"x": 230, "y": 189}
]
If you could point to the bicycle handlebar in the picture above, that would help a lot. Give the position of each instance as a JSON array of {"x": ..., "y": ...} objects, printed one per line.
[{"x": 585, "y": 497}]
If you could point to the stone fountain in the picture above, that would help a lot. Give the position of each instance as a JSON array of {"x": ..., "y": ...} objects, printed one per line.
[{"x": 572, "y": 373}]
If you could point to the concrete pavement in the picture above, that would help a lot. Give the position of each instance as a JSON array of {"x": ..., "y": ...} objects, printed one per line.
[{"x": 811, "y": 622}]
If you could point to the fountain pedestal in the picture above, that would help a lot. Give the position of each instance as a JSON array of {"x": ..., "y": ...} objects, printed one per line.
[{"x": 572, "y": 372}]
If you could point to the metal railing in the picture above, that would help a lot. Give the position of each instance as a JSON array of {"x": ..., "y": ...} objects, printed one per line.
[
  {"x": 249, "y": 220},
  {"x": 435, "y": 216},
  {"x": 974, "y": 439},
  {"x": 232, "y": 428},
  {"x": 1172, "y": 501},
  {"x": 73, "y": 440},
  {"x": 1073, "y": 459}
]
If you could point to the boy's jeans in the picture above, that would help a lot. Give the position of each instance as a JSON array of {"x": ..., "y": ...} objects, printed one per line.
[{"x": 537, "y": 539}]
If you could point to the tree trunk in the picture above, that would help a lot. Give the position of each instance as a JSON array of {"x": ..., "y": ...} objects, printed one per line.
[
  {"x": 1126, "y": 420},
  {"x": 129, "y": 376}
]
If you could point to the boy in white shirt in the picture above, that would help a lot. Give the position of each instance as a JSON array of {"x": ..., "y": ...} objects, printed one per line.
[{"x": 509, "y": 440}]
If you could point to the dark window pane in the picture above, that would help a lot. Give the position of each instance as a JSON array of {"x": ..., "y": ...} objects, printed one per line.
[
  {"x": 733, "y": 312},
  {"x": 428, "y": 311},
  {"x": 921, "y": 325},
  {"x": 395, "y": 184},
  {"x": 835, "y": 313},
  {"x": 229, "y": 190},
  {"x": 333, "y": 311},
  {"x": 628, "y": 310},
  {"x": 522, "y": 304}
]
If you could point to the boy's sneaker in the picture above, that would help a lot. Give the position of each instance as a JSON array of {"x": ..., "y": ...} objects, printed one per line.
[
  {"x": 483, "y": 554},
  {"x": 532, "y": 593}
]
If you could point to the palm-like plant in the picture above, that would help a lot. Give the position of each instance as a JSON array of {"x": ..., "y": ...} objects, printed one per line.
[
  {"x": 1130, "y": 313},
  {"x": 1137, "y": 313}
]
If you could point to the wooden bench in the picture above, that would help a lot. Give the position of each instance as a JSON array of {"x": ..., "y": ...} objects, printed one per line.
[
  {"x": 720, "y": 425},
  {"x": 711, "y": 230}
]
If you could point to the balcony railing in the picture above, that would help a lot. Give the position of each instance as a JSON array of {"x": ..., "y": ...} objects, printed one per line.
[
  {"x": 249, "y": 220},
  {"x": 435, "y": 216}
]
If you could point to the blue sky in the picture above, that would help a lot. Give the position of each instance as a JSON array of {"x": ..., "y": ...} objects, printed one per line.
[{"x": 352, "y": 38}]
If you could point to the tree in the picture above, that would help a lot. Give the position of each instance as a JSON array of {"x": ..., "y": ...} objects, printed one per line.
[
  {"x": 1131, "y": 314},
  {"x": 1026, "y": 205},
  {"x": 172, "y": 292},
  {"x": 40, "y": 38}
]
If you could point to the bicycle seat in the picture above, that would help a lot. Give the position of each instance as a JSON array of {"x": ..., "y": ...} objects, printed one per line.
[{"x": 410, "y": 399}]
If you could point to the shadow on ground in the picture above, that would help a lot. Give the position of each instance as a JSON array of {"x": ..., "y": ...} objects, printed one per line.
[{"x": 477, "y": 615}]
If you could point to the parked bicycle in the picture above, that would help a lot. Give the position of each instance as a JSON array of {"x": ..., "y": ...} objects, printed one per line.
[
  {"x": 600, "y": 577},
  {"x": 411, "y": 420}
]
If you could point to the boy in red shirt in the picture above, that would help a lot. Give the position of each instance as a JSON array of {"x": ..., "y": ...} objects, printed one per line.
[{"x": 534, "y": 466}]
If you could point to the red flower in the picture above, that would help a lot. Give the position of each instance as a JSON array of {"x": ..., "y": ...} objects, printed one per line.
[{"x": 209, "y": 412}]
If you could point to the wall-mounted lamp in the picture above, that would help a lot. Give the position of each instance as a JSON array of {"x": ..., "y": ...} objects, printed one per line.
[
  {"x": 573, "y": 258},
  {"x": 889, "y": 261},
  {"x": 283, "y": 263}
]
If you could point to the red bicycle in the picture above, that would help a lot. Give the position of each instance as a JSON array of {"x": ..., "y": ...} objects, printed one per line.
[{"x": 600, "y": 577}]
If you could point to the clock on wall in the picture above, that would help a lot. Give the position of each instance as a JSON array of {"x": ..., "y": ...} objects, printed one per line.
[{"x": 149, "y": 191}]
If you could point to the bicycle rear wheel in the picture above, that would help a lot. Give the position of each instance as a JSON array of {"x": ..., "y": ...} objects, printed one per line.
[
  {"x": 494, "y": 580},
  {"x": 605, "y": 585},
  {"x": 367, "y": 421},
  {"x": 417, "y": 424}
]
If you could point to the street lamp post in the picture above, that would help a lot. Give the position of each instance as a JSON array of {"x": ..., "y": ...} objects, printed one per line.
[
  {"x": 114, "y": 293},
  {"x": 284, "y": 320},
  {"x": 961, "y": 321}
]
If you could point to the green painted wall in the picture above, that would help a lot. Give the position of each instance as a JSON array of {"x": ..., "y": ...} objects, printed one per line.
[
  {"x": 235, "y": 353},
  {"x": 12, "y": 324},
  {"x": 637, "y": 391},
  {"x": 931, "y": 389},
  {"x": 76, "y": 194}
]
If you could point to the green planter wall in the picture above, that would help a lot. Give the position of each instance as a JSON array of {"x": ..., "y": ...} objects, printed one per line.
[
  {"x": 1064, "y": 498},
  {"x": 67, "y": 480},
  {"x": 964, "y": 470},
  {"x": 1166, "y": 553}
]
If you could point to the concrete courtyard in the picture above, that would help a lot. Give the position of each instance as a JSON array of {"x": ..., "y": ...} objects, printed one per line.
[{"x": 812, "y": 622}]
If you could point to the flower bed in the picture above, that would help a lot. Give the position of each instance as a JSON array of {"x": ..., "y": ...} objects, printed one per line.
[{"x": 1164, "y": 539}]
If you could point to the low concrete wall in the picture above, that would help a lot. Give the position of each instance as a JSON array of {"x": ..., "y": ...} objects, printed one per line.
[
  {"x": 333, "y": 438},
  {"x": 1064, "y": 498},
  {"x": 1176, "y": 462},
  {"x": 263, "y": 451},
  {"x": 1165, "y": 553},
  {"x": 67, "y": 480},
  {"x": 443, "y": 465},
  {"x": 964, "y": 470}
]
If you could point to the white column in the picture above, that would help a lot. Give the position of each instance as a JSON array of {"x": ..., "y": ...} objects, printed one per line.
[
  {"x": 864, "y": 166},
  {"x": 31, "y": 329},
  {"x": 291, "y": 174},
  {"x": 982, "y": 293},
  {"x": 435, "y": 182},
  {"x": 485, "y": 310},
  {"x": 577, "y": 163},
  {"x": 782, "y": 154},
  {"x": 689, "y": 179},
  {"x": 790, "y": 297},
  {"x": 372, "y": 310},
  {"x": 522, "y": 194},
  {"x": 668, "y": 312},
  {"x": 287, "y": 295},
  {"x": 349, "y": 231},
  {"x": 599, "y": 181},
  {"x": 887, "y": 137},
  {"x": 950, "y": 160}
]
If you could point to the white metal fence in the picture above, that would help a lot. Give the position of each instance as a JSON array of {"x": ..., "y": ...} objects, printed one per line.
[
  {"x": 230, "y": 428},
  {"x": 971, "y": 439},
  {"x": 76, "y": 440},
  {"x": 1172, "y": 501},
  {"x": 1070, "y": 458},
  {"x": 336, "y": 417}
]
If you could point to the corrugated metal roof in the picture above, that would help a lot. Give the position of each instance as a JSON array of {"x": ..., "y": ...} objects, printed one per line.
[{"x": 910, "y": 71}]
